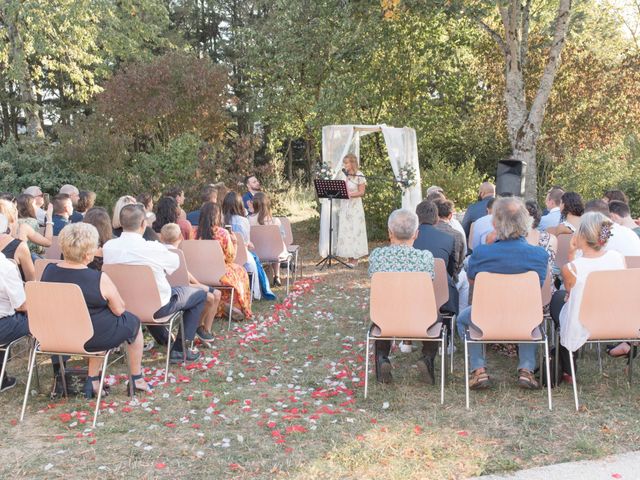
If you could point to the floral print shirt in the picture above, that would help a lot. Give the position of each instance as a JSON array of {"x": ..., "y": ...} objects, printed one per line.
[{"x": 401, "y": 258}]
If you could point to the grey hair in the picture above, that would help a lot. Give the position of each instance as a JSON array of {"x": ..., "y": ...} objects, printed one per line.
[
  {"x": 590, "y": 229},
  {"x": 511, "y": 218},
  {"x": 403, "y": 223}
]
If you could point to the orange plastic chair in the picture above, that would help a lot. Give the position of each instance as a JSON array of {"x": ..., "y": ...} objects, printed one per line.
[
  {"x": 181, "y": 276},
  {"x": 291, "y": 247},
  {"x": 441, "y": 288},
  {"x": 562, "y": 255},
  {"x": 59, "y": 321},
  {"x": 403, "y": 307},
  {"x": 614, "y": 319},
  {"x": 270, "y": 246},
  {"x": 54, "y": 251},
  {"x": 470, "y": 241},
  {"x": 632, "y": 262},
  {"x": 137, "y": 287},
  {"x": 506, "y": 309},
  {"x": 41, "y": 264},
  {"x": 205, "y": 261}
]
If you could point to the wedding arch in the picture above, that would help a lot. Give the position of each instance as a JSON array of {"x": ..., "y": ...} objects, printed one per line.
[{"x": 402, "y": 146}]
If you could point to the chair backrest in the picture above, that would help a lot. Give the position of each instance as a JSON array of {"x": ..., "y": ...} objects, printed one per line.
[
  {"x": 441, "y": 282},
  {"x": 137, "y": 287},
  {"x": 54, "y": 251},
  {"x": 205, "y": 260},
  {"x": 610, "y": 304},
  {"x": 268, "y": 242},
  {"x": 470, "y": 241},
  {"x": 403, "y": 304},
  {"x": 562, "y": 255},
  {"x": 288, "y": 233},
  {"x": 41, "y": 264},
  {"x": 181, "y": 276},
  {"x": 507, "y": 307},
  {"x": 58, "y": 316},
  {"x": 546, "y": 289},
  {"x": 242, "y": 256},
  {"x": 632, "y": 262}
]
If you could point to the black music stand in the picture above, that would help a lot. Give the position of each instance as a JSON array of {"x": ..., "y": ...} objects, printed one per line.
[{"x": 333, "y": 190}]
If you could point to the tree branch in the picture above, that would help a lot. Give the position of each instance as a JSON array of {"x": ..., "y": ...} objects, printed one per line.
[
  {"x": 495, "y": 35},
  {"x": 524, "y": 42}
]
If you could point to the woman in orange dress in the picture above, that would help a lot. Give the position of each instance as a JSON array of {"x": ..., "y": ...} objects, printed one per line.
[{"x": 209, "y": 228}]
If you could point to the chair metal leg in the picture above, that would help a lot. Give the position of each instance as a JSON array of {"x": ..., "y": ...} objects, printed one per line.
[
  {"x": 452, "y": 340},
  {"x": 288, "y": 275},
  {"x": 632, "y": 353},
  {"x": 466, "y": 372},
  {"x": 7, "y": 351},
  {"x": 63, "y": 376},
  {"x": 32, "y": 362},
  {"x": 575, "y": 383},
  {"x": 556, "y": 359},
  {"x": 98, "y": 398},
  {"x": 166, "y": 370},
  {"x": 443, "y": 369},
  {"x": 599, "y": 351},
  {"x": 546, "y": 358},
  {"x": 230, "y": 307},
  {"x": 366, "y": 367}
]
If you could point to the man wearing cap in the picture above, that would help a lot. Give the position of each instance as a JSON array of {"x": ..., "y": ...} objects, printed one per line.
[
  {"x": 74, "y": 195},
  {"x": 36, "y": 193}
]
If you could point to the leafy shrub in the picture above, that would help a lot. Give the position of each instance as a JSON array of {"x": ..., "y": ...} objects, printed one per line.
[{"x": 460, "y": 182}]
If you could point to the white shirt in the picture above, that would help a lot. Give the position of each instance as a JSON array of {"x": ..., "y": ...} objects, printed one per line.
[
  {"x": 623, "y": 240},
  {"x": 11, "y": 289},
  {"x": 132, "y": 249}
]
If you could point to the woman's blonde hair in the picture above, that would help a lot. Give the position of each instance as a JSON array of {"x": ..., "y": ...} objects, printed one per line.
[
  {"x": 122, "y": 201},
  {"x": 352, "y": 157},
  {"x": 595, "y": 229},
  {"x": 170, "y": 233},
  {"x": 77, "y": 240},
  {"x": 9, "y": 210}
]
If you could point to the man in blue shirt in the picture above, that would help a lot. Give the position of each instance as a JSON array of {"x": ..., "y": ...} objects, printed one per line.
[
  {"x": 253, "y": 187},
  {"x": 510, "y": 254},
  {"x": 478, "y": 209},
  {"x": 62, "y": 211},
  {"x": 552, "y": 202},
  {"x": 74, "y": 195},
  {"x": 209, "y": 193},
  {"x": 482, "y": 227}
]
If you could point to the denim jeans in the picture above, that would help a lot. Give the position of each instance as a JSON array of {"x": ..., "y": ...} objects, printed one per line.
[
  {"x": 12, "y": 328},
  {"x": 526, "y": 351},
  {"x": 189, "y": 300}
]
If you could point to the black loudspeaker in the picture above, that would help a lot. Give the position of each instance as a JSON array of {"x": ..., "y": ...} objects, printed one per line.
[{"x": 510, "y": 177}]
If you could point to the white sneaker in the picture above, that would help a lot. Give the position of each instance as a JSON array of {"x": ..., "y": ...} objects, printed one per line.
[
  {"x": 404, "y": 348},
  {"x": 149, "y": 345}
]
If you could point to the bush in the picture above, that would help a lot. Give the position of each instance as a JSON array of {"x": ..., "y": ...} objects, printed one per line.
[{"x": 460, "y": 183}]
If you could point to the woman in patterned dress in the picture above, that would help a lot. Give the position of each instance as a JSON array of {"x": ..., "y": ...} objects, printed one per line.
[
  {"x": 351, "y": 241},
  {"x": 209, "y": 228}
]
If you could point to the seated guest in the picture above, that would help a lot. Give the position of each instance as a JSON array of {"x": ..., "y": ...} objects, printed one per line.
[
  {"x": 112, "y": 324},
  {"x": 440, "y": 244},
  {"x": 262, "y": 215},
  {"x": 74, "y": 195},
  {"x": 27, "y": 228},
  {"x": 234, "y": 215},
  {"x": 552, "y": 202},
  {"x": 400, "y": 256},
  {"x": 148, "y": 235},
  {"x": 209, "y": 228},
  {"x": 99, "y": 218},
  {"x": 86, "y": 200},
  {"x": 615, "y": 195},
  {"x": 571, "y": 209},
  {"x": 147, "y": 202},
  {"x": 539, "y": 237},
  {"x": 168, "y": 211},
  {"x": 479, "y": 209},
  {"x": 253, "y": 186},
  {"x": 209, "y": 193},
  {"x": 7, "y": 196},
  {"x": 35, "y": 192},
  {"x": 623, "y": 239},
  {"x": 621, "y": 215},
  {"x": 177, "y": 194},
  {"x": 13, "y": 312},
  {"x": 171, "y": 236},
  {"x": 594, "y": 232},
  {"x": 482, "y": 227},
  {"x": 510, "y": 254},
  {"x": 62, "y": 211},
  {"x": 132, "y": 249},
  {"x": 15, "y": 249}
]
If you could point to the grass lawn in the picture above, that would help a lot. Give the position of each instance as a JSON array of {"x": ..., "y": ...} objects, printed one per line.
[{"x": 282, "y": 397}]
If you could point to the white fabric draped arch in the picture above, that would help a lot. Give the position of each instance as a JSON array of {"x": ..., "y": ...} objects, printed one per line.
[{"x": 338, "y": 140}]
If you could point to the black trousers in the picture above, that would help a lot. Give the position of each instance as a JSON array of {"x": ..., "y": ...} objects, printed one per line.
[{"x": 557, "y": 302}]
